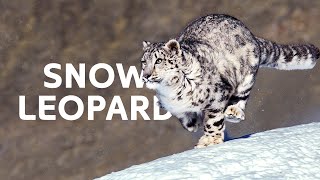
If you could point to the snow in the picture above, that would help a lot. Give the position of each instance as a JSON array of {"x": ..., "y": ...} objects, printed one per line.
[{"x": 286, "y": 153}]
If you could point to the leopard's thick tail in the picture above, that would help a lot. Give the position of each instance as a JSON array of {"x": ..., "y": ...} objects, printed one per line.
[{"x": 287, "y": 57}]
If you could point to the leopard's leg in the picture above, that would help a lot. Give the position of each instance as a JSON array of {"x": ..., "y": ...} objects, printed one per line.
[
  {"x": 214, "y": 127},
  {"x": 237, "y": 102},
  {"x": 191, "y": 120}
]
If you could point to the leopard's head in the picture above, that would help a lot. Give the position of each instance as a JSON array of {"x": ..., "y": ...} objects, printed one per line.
[{"x": 160, "y": 61}]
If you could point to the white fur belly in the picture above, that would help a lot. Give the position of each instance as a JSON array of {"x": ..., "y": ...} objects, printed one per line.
[{"x": 176, "y": 107}]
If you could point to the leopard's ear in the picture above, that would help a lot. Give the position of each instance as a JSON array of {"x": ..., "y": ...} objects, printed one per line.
[
  {"x": 173, "y": 46},
  {"x": 145, "y": 45}
]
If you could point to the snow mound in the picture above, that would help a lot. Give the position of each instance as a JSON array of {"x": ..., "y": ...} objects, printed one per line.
[{"x": 286, "y": 153}]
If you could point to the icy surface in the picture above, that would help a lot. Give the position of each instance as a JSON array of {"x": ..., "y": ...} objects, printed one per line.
[{"x": 286, "y": 153}]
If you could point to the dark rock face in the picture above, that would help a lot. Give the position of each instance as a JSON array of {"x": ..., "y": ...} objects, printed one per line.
[{"x": 35, "y": 33}]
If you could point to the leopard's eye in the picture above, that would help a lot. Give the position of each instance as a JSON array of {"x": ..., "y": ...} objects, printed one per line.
[
  {"x": 143, "y": 63},
  {"x": 158, "y": 61}
]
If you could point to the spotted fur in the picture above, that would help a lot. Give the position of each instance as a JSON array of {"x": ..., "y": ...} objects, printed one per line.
[{"x": 205, "y": 75}]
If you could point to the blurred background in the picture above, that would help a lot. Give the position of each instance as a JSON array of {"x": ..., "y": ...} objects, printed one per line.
[{"x": 34, "y": 33}]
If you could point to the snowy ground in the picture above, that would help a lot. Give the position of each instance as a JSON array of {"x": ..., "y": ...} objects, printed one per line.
[{"x": 286, "y": 153}]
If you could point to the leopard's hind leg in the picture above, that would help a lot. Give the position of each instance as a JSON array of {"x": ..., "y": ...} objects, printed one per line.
[{"x": 234, "y": 112}]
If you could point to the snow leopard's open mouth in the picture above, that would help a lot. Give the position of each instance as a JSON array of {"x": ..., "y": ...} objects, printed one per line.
[
  {"x": 151, "y": 80},
  {"x": 152, "y": 83}
]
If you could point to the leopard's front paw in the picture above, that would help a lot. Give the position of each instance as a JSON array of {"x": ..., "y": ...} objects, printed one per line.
[
  {"x": 207, "y": 140},
  {"x": 193, "y": 128},
  {"x": 234, "y": 114},
  {"x": 160, "y": 105}
]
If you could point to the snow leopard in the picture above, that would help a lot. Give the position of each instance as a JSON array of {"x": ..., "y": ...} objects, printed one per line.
[{"x": 204, "y": 76}]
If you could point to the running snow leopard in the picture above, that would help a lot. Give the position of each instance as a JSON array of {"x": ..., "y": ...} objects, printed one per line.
[{"x": 205, "y": 75}]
